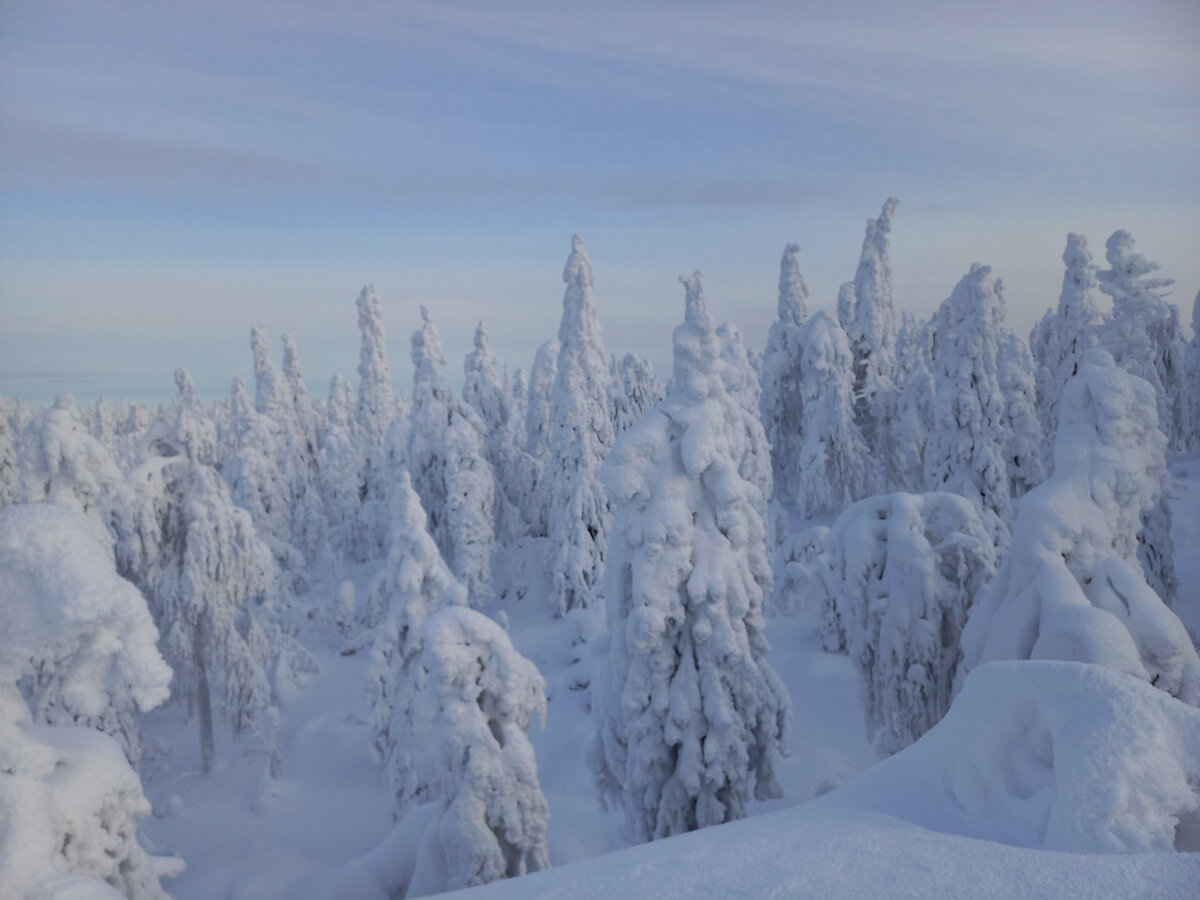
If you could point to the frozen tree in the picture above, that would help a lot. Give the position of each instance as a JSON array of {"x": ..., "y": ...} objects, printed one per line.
[
  {"x": 834, "y": 465},
  {"x": 10, "y": 485},
  {"x": 271, "y": 394},
  {"x": 689, "y": 714},
  {"x": 485, "y": 392},
  {"x": 742, "y": 383},
  {"x": 1145, "y": 338},
  {"x": 208, "y": 576},
  {"x": 69, "y": 800},
  {"x": 1070, "y": 587},
  {"x": 415, "y": 583},
  {"x": 1015, "y": 372},
  {"x": 872, "y": 337},
  {"x": 1144, "y": 334},
  {"x": 474, "y": 703},
  {"x": 258, "y": 485},
  {"x": 57, "y": 575},
  {"x": 1063, "y": 335},
  {"x": 635, "y": 390},
  {"x": 542, "y": 375},
  {"x": 845, "y": 306},
  {"x": 581, "y": 433},
  {"x": 339, "y": 466},
  {"x": 903, "y": 570},
  {"x": 449, "y": 471},
  {"x": 968, "y": 441},
  {"x": 309, "y": 521},
  {"x": 376, "y": 409},
  {"x": 781, "y": 401},
  {"x": 60, "y": 462},
  {"x": 913, "y": 406}
]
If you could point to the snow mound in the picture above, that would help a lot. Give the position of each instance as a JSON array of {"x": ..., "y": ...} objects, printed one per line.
[{"x": 1050, "y": 755}]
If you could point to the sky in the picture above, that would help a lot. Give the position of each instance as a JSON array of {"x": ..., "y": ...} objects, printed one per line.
[{"x": 173, "y": 173}]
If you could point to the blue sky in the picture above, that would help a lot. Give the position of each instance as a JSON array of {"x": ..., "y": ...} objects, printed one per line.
[{"x": 172, "y": 173}]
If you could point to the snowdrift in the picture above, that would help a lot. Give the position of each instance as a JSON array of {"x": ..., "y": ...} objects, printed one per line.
[{"x": 1034, "y": 758}]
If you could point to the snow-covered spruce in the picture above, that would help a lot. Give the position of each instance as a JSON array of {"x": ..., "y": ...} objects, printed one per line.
[
  {"x": 1144, "y": 334},
  {"x": 742, "y": 384},
  {"x": 473, "y": 704},
  {"x": 872, "y": 335},
  {"x": 258, "y": 484},
  {"x": 376, "y": 409},
  {"x": 914, "y": 405},
  {"x": 969, "y": 440},
  {"x": 542, "y": 375},
  {"x": 309, "y": 521},
  {"x": 834, "y": 465},
  {"x": 207, "y": 575},
  {"x": 1071, "y": 587},
  {"x": 781, "y": 400},
  {"x": 449, "y": 471},
  {"x": 1064, "y": 334},
  {"x": 635, "y": 390},
  {"x": 1015, "y": 371},
  {"x": 689, "y": 714},
  {"x": 581, "y": 433},
  {"x": 10, "y": 486},
  {"x": 503, "y": 433},
  {"x": 60, "y": 462},
  {"x": 339, "y": 466},
  {"x": 68, "y": 799},
  {"x": 902, "y": 571},
  {"x": 414, "y": 584}
]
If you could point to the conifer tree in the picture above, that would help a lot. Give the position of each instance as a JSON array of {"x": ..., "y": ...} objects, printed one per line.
[
  {"x": 581, "y": 433},
  {"x": 689, "y": 713},
  {"x": 449, "y": 471},
  {"x": 781, "y": 401}
]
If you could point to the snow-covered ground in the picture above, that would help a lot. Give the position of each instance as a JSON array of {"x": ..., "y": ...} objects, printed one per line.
[{"x": 246, "y": 835}]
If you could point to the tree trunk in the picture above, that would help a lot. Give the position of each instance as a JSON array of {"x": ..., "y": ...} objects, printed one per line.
[{"x": 204, "y": 701}]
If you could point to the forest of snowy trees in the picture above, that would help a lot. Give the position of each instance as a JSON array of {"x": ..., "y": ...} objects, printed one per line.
[{"x": 940, "y": 495}]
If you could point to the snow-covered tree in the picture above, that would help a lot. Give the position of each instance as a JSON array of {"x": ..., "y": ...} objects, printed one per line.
[
  {"x": 581, "y": 433},
  {"x": 474, "y": 702},
  {"x": 913, "y": 406},
  {"x": 902, "y": 571},
  {"x": 542, "y": 375},
  {"x": 376, "y": 409},
  {"x": 60, "y": 462},
  {"x": 83, "y": 637},
  {"x": 207, "y": 575},
  {"x": 834, "y": 465},
  {"x": 635, "y": 390},
  {"x": 258, "y": 485},
  {"x": 1063, "y": 335},
  {"x": 57, "y": 575},
  {"x": 872, "y": 337},
  {"x": 968, "y": 440},
  {"x": 1144, "y": 333},
  {"x": 1071, "y": 587},
  {"x": 309, "y": 521},
  {"x": 689, "y": 713},
  {"x": 503, "y": 433},
  {"x": 742, "y": 383},
  {"x": 781, "y": 400},
  {"x": 415, "y": 583},
  {"x": 1015, "y": 371},
  {"x": 845, "y": 305},
  {"x": 339, "y": 466},
  {"x": 10, "y": 489},
  {"x": 449, "y": 471}
]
